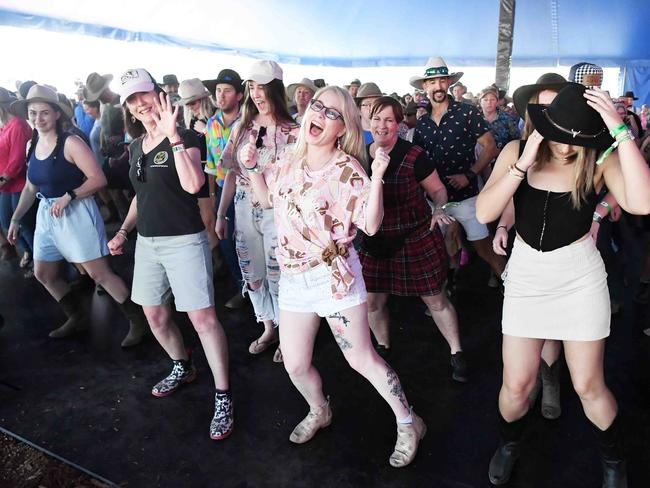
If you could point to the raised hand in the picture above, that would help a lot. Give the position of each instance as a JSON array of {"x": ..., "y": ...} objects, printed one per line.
[
  {"x": 248, "y": 154},
  {"x": 600, "y": 101},
  {"x": 380, "y": 163},
  {"x": 165, "y": 116},
  {"x": 529, "y": 155}
]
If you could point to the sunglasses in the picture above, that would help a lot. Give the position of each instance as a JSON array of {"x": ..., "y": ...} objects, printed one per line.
[
  {"x": 259, "y": 142},
  {"x": 330, "y": 113},
  {"x": 140, "y": 169}
]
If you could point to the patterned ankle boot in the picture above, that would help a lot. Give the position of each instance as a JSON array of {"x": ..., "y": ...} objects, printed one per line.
[{"x": 223, "y": 421}]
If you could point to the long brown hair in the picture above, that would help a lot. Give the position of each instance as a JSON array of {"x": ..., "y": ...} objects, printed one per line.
[{"x": 276, "y": 97}]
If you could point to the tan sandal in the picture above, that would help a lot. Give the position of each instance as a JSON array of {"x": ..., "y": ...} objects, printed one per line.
[
  {"x": 312, "y": 423},
  {"x": 258, "y": 347},
  {"x": 408, "y": 440}
]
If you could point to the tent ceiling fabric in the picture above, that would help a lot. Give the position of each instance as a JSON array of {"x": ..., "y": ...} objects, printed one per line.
[{"x": 349, "y": 33}]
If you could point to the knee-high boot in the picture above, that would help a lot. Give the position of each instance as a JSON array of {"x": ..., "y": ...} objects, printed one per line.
[
  {"x": 610, "y": 444},
  {"x": 503, "y": 460}
]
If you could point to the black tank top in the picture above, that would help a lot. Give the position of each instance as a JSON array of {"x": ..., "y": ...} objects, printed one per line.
[{"x": 546, "y": 220}]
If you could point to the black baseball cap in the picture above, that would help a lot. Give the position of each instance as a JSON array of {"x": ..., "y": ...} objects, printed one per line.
[{"x": 230, "y": 77}]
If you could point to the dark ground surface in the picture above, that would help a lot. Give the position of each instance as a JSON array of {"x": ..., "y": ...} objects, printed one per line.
[{"x": 89, "y": 401}]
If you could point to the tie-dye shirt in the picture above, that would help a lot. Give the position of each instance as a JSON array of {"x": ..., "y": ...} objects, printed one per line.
[
  {"x": 271, "y": 144},
  {"x": 317, "y": 214},
  {"x": 216, "y": 137}
]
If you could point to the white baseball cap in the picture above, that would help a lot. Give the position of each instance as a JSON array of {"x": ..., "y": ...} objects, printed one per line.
[
  {"x": 264, "y": 72},
  {"x": 134, "y": 81}
]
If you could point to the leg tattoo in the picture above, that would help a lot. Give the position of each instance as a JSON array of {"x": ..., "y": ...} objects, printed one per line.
[
  {"x": 341, "y": 317},
  {"x": 343, "y": 343},
  {"x": 395, "y": 385}
]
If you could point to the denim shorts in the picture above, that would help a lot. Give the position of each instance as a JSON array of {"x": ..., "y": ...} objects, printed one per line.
[
  {"x": 78, "y": 236},
  {"x": 310, "y": 291},
  {"x": 181, "y": 265},
  {"x": 465, "y": 214}
]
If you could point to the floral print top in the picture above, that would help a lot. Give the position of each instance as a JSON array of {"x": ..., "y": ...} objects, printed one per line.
[{"x": 317, "y": 214}]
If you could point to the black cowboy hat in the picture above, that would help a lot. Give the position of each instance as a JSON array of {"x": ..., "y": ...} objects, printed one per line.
[
  {"x": 548, "y": 81},
  {"x": 569, "y": 120},
  {"x": 630, "y": 94}
]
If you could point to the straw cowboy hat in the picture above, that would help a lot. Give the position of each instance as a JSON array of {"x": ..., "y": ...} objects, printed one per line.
[
  {"x": 306, "y": 82},
  {"x": 192, "y": 90},
  {"x": 368, "y": 90},
  {"x": 435, "y": 68},
  {"x": 95, "y": 86},
  {"x": 39, "y": 93}
]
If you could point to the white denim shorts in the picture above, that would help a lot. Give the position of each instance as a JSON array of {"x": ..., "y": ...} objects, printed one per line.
[
  {"x": 311, "y": 291},
  {"x": 181, "y": 265}
]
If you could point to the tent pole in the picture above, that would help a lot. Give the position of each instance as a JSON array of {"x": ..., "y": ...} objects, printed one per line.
[{"x": 504, "y": 43}]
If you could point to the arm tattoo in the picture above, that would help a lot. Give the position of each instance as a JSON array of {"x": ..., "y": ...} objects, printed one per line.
[
  {"x": 341, "y": 317},
  {"x": 395, "y": 385}
]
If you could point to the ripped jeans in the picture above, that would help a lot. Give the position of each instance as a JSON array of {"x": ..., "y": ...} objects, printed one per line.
[{"x": 255, "y": 243}]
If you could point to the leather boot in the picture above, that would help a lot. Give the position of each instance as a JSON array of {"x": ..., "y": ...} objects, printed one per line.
[
  {"x": 551, "y": 408},
  {"x": 610, "y": 444},
  {"x": 503, "y": 460},
  {"x": 72, "y": 307},
  {"x": 138, "y": 326}
]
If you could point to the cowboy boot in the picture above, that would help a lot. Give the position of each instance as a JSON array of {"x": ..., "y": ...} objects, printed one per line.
[
  {"x": 551, "y": 408},
  {"x": 72, "y": 307},
  {"x": 503, "y": 460},
  {"x": 138, "y": 326},
  {"x": 610, "y": 444}
]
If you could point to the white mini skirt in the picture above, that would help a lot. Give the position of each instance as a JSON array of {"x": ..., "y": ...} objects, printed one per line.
[{"x": 560, "y": 294}]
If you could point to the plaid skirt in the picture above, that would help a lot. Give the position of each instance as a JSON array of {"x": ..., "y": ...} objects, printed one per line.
[{"x": 419, "y": 268}]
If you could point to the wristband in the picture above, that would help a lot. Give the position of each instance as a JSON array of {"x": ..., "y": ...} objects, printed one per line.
[
  {"x": 225, "y": 217},
  {"x": 502, "y": 227},
  {"x": 177, "y": 143},
  {"x": 123, "y": 233},
  {"x": 71, "y": 194},
  {"x": 377, "y": 179},
  {"x": 606, "y": 205},
  {"x": 254, "y": 169},
  {"x": 178, "y": 148},
  {"x": 597, "y": 218},
  {"x": 470, "y": 175},
  {"x": 513, "y": 172},
  {"x": 617, "y": 130},
  {"x": 523, "y": 172}
]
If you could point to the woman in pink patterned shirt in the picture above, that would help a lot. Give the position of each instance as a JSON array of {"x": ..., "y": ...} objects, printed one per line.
[{"x": 321, "y": 194}]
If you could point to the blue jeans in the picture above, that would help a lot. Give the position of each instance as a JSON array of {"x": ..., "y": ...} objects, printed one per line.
[
  {"x": 8, "y": 204},
  {"x": 227, "y": 246}
]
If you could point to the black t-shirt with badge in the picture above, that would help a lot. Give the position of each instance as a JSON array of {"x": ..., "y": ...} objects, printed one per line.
[{"x": 164, "y": 208}]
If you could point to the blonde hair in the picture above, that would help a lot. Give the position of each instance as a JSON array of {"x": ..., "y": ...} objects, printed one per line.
[
  {"x": 352, "y": 141},
  {"x": 206, "y": 111}
]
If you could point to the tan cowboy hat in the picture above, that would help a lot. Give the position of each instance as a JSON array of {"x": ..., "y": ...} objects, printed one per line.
[
  {"x": 435, "y": 68},
  {"x": 368, "y": 90},
  {"x": 192, "y": 90},
  {"x": 39, "y": 93},
  {"x": 95, "y": 86},
  {"x": 306, "y": 82},
  {"x": 354, "y": 82}
]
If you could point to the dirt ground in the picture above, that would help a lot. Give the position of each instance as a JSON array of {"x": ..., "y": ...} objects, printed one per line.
[{"x": 22, "y": 466}]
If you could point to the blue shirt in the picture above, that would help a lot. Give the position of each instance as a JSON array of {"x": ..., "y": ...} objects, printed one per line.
[
  {"x": 84, "y": 121},
  {"x": 451, "y": 144}
]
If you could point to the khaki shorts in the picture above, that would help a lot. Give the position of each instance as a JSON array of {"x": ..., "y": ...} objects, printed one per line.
[{"x": 181, "y": 265}]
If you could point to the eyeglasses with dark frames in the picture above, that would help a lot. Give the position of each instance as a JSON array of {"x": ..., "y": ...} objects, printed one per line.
[
  {"x": 140, "y": 169},
  {"x": 330, "y": 113}
]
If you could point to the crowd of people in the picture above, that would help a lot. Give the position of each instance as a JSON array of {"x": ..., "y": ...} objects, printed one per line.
[{"x": 322, "y": 201}]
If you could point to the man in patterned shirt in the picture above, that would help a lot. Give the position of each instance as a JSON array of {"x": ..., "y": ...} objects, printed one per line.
[{"x": 229, "y": 92}]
